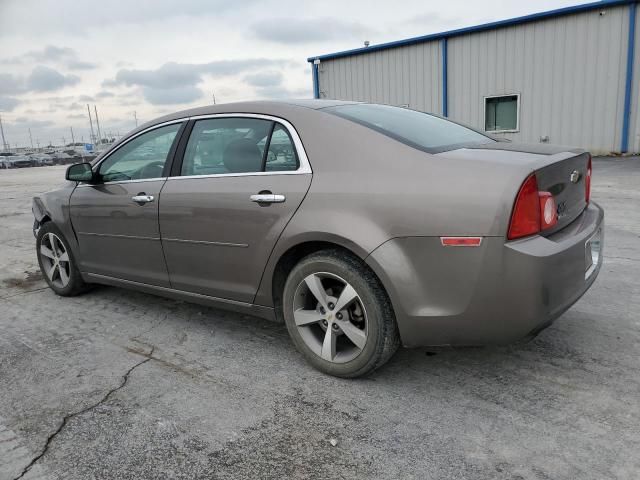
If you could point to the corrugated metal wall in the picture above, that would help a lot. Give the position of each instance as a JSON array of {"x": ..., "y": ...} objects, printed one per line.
[
  {"x": 634, "y": 133},
  {"x": 409, "y": 75},
  {"x": 569, "y": 71}
]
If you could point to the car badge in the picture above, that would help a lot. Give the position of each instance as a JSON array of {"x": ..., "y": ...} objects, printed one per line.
[{"x": 575, "y": 176}]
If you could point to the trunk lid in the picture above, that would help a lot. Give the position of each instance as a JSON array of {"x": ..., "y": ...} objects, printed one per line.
[
  {"x": 565, "y": 180},
  {"x": 553, "y": 166}
]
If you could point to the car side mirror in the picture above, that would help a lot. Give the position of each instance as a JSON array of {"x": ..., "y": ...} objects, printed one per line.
[{"x": 80, "y": 172}]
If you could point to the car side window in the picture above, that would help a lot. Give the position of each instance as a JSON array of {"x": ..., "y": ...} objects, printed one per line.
[
  {"x": 141, "y": 158},
  {"x": 281, "y": 155},
  {"x": 225, "y": 146}
]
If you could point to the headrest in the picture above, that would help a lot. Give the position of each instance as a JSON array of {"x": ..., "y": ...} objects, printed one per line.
[{"x": 242, "y": 156}]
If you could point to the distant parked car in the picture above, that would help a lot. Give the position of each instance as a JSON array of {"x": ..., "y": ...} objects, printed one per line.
[
  {"x": 20, "y": 161},
  {"x": 4, "y": 162},
  {"x": 42, "y": 159},
  {"x": 63, "y": 158}
]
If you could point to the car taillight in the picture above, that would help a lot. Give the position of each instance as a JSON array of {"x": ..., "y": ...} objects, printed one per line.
[
  {"x": 587, "y": 182},
  {"x": 533, "y": 211},
  {"x": 548, "y": 210}
]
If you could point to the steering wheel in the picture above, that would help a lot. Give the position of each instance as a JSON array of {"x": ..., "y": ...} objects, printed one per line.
[{"x": 151, "y": 170}]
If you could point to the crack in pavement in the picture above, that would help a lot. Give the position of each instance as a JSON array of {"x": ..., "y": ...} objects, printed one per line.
[
  {"x": 24, "y": 293},
  {"x": 65, "y": 420}
]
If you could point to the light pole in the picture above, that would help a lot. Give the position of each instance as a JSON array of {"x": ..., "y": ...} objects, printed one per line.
[
  {"x": 5, "y": 145},
  {"x": 98, "y": 125},
  {"x": 91, "y": 124}
]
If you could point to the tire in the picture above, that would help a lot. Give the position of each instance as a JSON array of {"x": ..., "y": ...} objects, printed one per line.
[
  {"x": 66, "y": 270},
  {"x": 370, "y": 313}
]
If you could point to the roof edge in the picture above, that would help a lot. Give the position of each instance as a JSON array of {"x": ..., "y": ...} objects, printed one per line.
[{"x": 585, "y": 7}]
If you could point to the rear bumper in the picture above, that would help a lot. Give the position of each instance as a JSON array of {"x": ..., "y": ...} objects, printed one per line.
[{"x": 497, "y": 293}]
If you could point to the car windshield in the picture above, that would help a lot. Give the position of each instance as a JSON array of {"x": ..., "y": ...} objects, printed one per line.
[{"x": 423, "y": 131}]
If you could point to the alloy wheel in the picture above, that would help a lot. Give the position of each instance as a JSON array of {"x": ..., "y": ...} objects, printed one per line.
[
  {"x": 330, "y": 317},
  {"x": 55, "y": 260}
]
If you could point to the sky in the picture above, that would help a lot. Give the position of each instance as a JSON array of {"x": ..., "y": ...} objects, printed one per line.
[{"x": 145, "y": 58}]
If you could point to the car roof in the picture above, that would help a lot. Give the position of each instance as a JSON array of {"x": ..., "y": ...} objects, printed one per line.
[{"x": 267, "y": 107}]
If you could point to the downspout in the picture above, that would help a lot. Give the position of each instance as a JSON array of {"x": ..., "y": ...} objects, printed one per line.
[
  {"x": 628, "y": 86},
  {"x": 315, "y": 78},
  {"x": 445, "y": 68}
]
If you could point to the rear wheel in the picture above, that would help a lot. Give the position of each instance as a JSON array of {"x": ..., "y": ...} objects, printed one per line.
[
  {"x": 57, "y": 263},
  {"x": 338, "y": 315}
]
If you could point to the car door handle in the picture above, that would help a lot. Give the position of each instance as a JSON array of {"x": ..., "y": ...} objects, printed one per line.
[
  {"x": 141, "y": 198},
  {"x": 267, "y": 198}
]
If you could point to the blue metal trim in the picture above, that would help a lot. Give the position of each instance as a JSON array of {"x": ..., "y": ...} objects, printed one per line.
[
  {"x": 316, "y": 80},
  {"x": 628, "y": 86},
  {"x": 445, "y": 73},
  {"x": 479, "y": 28}
]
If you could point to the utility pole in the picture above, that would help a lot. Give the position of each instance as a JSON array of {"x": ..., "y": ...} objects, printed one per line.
[
  {"x": 91, "y": 124},
  {"x": 38, "y": 143},
  {"x": 98, "y": 125},
  {"x": 135, "y": 117},
  {"x": 64, "y": 142},
  {"x": 213, "y": 94},
  {"x": 5, "y": 146},
  {"x": 73, "y": 140},
  {"x": 31, "y": 139}
]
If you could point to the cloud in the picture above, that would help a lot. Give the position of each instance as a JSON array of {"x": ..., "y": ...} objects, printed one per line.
[
  {"x": 264, "y": 79},
  {"x": 81, "y": 65},
  {"x": 309, "y": 30},
  {"x": 85, "y": 98},
  {"x": 8, "y": 103},
  {"x": 174, "y": 83},
  {"x": 76, "y": 116},
  {"x": 277, "y": 92},
  {"x": 10, "y": 84},
  {"x": 105, "y": 94},
  {"x": 65, "y": 16},
  {"x": 51, "y": 54},
  {"x": 171, "y": 75},
  {"x": 171, "y": 96},
  {"x": 44, "y": 79},
  {"x": 26, "y": 122}
]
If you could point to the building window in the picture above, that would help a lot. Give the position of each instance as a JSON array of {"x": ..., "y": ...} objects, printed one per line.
[{"x": 502, "y": 113}]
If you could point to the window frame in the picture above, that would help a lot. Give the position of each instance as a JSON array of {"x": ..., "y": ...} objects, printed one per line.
[
  {"x": 304, "y": 167},
  {"x": 484, "y": 116}
]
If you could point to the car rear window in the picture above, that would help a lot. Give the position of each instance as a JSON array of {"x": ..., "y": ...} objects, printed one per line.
[{"x": 423, "y": 131}]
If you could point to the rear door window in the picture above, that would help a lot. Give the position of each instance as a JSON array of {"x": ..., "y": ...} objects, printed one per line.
[
  {"x": 226, "y": 145},
  {"x": 219, "y": 146}
]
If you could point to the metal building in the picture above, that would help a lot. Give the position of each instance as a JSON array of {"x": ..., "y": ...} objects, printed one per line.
[{"x": 569, "y": 76}]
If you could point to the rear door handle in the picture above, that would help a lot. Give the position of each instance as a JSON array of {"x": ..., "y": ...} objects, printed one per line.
[
  {"x": 267, "y": 198},
  {"x": 142, "y": 198}
]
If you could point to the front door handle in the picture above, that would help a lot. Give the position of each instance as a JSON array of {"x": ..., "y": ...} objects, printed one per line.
[
  {"x": 142, "y": 198},
  {"x": 267, "y": 198}
]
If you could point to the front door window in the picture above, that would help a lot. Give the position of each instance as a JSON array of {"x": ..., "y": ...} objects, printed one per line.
[{"x": 142, "y": 158}]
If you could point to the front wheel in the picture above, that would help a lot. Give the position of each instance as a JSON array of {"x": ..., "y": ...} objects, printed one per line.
[
  {"x": 56, "y": 261},
  {"x": 338, "y": 315}
]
